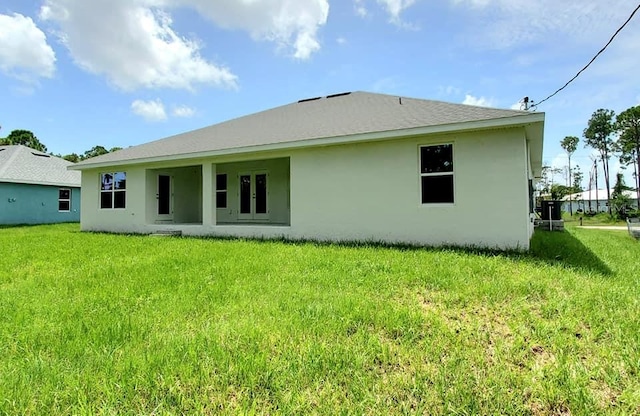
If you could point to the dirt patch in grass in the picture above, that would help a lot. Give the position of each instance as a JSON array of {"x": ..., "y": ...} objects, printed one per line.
[
  {"x": 479, "y": 317},
  {"x": 549, "y": 409},
  {"x": 605, "y": 396},
  {"x": 477, "y": 325},
  {"x": 541, "y": 357}
]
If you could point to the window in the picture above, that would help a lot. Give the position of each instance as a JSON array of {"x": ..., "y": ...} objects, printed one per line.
[
  {"x": 221, "y": 190},
  {"x": 113, "y": 190},
  {"x": 64, "y": 200},
  {"x": 436, "y": 174}
]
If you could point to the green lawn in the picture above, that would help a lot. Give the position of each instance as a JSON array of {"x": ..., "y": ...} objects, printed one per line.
[
  {"x": 113, "y": 324},
  {"x": 598, "y": 219}
]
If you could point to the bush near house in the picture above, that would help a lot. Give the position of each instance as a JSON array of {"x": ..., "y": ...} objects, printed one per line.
[{"x": 116, "y": 324}]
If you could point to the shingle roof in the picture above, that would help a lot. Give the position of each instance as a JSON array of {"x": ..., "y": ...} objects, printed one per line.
[
  {"x": 20, "y": 164},
  {"x": 333, "y": 116},
  {"x": 602, "y": 195}
]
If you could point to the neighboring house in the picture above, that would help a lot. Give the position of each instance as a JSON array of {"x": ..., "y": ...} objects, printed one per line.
[
  {"x": 37, "y": 188},
  {"x": 594, "y": 200},
  {"x": 352, "y": 166}
]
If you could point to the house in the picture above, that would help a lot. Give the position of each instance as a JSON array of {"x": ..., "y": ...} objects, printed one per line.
[
  {"x": 594, "y": 200},
  {"x": 37, "y": 188},
  {"x": 350, "y": 166}
]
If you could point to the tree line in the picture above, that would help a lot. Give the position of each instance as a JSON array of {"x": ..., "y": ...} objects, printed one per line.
[
  {"x": 28, "y": 139},
  {"x": 610, "y": 135}
]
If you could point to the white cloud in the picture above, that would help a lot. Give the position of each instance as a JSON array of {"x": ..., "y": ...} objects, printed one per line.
[
  {"x": 132, "y": 45},
  {"x": 341, "y": 40},
  {"x": 292, "y": 24},
  {"x": 560, "y": 161},
  {"x": 152, "y": 110},
  {"x": 449, "y": 90},
  {"x": 183, "y": 111},
  {"x": 395, "y": 8},
  {"x": 504, "y": 23},
  {"x": 24, "y": 51},
  {"x": 360, "y": 8},
  {"x": 388, "y": 85},
  {"x": 477, "y": 101}
]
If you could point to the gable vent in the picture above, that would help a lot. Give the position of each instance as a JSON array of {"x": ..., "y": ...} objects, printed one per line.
[
  {"x": 338, "y": 95},
  {"x": 40, "y": 154},
  {"x": 309, "y": 99}
]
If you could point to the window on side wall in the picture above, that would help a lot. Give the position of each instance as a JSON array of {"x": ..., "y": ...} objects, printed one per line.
[
  {"x": 221, "y": 190},
  {"x": 113, "y": 190},
  {"x": 64, "y": 200},
  {"x": 436, "y": 174}
]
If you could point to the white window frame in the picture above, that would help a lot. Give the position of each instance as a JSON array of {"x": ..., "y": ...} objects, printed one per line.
[
  {"x": 252, "y": 215},
  {"x": 436, "y": 174},
  {"x": 224, "y": 191},
  {"x": 112, "y": 191},
  {"x": 60, "y": 199}
]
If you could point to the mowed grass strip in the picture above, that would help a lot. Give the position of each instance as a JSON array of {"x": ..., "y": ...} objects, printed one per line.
[{"x": 116, "y": 324}]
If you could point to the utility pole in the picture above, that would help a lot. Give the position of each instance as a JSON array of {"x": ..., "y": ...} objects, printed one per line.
[
  {"x": 635, "y": 176},
  {"x": 527, "y": 104},
  {"x": 590, "y": 186},
  {"x": 595, "y": 166},
  {"x": 570, "y": 189}
]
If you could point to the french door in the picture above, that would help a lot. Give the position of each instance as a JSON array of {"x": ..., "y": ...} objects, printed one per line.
[
  {"x": 165, "y": 197},
  {"x": 253, "y": 196}
]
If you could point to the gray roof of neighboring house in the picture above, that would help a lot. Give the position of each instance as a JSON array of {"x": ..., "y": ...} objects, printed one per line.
[
  {"x": 602, "y": 195},
  {"x": 334, "y": 116},
  {"x": 20, "y": 164}
]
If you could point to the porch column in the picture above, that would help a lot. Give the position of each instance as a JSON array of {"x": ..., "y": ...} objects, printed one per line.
[{"x": 208, "y": 193}]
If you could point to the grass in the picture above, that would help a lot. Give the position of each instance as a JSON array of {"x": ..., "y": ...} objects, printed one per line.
[
  {"x": 114, "y": 324},
  {"x": 602, "y": 218}
]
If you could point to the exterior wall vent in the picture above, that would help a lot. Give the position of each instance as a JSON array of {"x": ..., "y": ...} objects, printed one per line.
[
  {"x": 338, "y": 95},
  {"x": 309, "y": 99}
]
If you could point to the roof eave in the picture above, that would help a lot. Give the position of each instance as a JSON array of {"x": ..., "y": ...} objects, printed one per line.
[
  {"x": 504, "y": 122},
  {"x": 28, "y": 182}
]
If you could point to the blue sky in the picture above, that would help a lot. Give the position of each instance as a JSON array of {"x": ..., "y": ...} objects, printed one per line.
[{"x": 123, "y": 72}]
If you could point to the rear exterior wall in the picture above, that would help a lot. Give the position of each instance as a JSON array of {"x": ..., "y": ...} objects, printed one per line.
[
  {"x": 372, "y": 192},
  {"x": 365, "y": 191}
]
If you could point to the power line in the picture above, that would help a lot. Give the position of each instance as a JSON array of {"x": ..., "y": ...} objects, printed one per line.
[{"x": 592, "y": 59}]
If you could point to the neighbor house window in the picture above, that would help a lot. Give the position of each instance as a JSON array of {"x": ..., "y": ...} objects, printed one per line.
[
  {"x": 436, "y": 173},
  {"x": 113, "y": 190},
  {"x": 221, "y": 190},
  {"x": 64, "y": 200}
]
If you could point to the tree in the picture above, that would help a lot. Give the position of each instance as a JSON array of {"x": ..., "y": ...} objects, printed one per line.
[
  {"x": 25, "y": 138},
  {"x": 619, "y": 200},
  {"x": 558, "y": 191},
  {"x": 598, "y": 136},
  {"x": 578, "y": 176},
  {"x": 628, "y": 124},
  {"x": 570, "y": 144},
  {"x": 94, "y": 151},
  {"x": 73, "y": 157},
  {"x": 546, "y": 183}
]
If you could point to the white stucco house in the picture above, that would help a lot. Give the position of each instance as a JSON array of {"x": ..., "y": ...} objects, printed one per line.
[
  {"x": 350, "y": 166},
  {"x": 594, "y": 200}
]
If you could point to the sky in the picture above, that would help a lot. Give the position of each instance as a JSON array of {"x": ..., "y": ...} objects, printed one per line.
[{"x": 113, "y": 73}]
